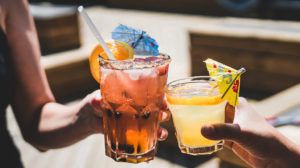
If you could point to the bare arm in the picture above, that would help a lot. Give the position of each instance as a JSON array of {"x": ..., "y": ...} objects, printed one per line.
[{"x": 43, "y": 123}]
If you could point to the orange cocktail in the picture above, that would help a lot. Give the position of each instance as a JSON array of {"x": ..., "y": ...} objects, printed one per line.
[{"x": 195, "y": 102}]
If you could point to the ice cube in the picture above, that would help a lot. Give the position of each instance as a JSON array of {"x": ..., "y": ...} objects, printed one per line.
[
  {"x": 147, "y": 72},
  {"x": 104, "y": 73},
  {"x": 133, "y": 74}
]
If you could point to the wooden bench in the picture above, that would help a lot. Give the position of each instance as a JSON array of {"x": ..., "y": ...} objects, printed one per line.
[
  {"x": 272, "y": 64},
  {"x": 68, "y": 74},
  {"x": 191, "y": 6},
  {"x": 57, "y": 27}
]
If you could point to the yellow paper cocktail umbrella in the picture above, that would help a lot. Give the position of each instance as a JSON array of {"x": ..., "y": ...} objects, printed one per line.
[{"x": 227, "y": 78}]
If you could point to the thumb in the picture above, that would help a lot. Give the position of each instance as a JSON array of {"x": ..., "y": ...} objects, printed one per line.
[
  {"x": 96, "y": 102},
  {"x": 222, "y": 131}
]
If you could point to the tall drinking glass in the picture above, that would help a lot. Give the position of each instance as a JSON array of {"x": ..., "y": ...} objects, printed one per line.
[
  {"x": 132, "y": 92},
  {"x": 195, "y": 102}
]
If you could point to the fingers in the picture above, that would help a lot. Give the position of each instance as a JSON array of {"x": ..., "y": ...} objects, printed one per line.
[
  {"x": 98, "y": 125},
  {"x": 164, "y": 115},
  {"x": 165, "y": 104},
  {"x": 246, "y": 156},
  {"x": 221, "y": 131},
  {"x": 96, "y": 101},
  {"x": 238, "y": 150},
  {"x": 162, "y": 134},
  {"x": 246, "y": 140}
]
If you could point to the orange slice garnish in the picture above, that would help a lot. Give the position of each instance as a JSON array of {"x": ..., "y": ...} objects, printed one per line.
[{"x": 119, "y": 49}]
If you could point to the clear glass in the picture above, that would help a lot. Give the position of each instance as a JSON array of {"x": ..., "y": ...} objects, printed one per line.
[
  {"x": 132, "y": 92},
  {"x": 195, "y": 102}
]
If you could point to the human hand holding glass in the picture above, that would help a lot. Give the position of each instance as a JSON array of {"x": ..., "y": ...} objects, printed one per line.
[{"x": 254, "y": 140}]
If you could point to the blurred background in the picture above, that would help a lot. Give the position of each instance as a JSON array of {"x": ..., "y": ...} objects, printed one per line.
[{"x": 261, "y": 35}]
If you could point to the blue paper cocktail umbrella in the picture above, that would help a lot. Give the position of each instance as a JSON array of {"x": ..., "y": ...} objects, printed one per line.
[{"x": 140, "y": 41}]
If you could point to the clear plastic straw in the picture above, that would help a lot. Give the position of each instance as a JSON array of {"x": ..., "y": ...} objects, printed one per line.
[{"x": 95, "y": 32}]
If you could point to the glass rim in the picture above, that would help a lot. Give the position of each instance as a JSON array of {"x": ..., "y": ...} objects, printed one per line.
[
  {"x": 171, "y": 86},
  {"x": 130, "y": 64}
]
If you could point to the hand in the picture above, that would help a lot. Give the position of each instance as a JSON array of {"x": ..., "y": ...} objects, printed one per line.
[
  {"x": 165, "y": 115},
  {"x": 94, "y": 114},
  {"x": 90, "y": 113},
  {"x": 254, "y": 140}
]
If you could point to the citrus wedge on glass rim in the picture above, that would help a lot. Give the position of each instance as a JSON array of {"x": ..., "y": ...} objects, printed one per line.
[{"x": 119, "y": 49}]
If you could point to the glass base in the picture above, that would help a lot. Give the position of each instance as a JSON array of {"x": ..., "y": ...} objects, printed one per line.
[
  {"x": 131, "y": 158},
  {"x": 205, "y": 150}
]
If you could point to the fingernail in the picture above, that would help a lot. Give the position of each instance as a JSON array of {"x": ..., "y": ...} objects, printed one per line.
[
  {"x": 95, "y": 102},
  {"x": 162, "y": 134},
  {"x": 208, "y": 130},
  {"x": 164, "y": 116}
]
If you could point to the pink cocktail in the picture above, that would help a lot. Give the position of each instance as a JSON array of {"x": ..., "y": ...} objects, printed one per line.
[{"x": 133, "y": 92}]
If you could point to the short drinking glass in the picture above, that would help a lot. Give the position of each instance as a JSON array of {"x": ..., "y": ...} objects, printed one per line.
[{"x": 195, "y": 102}]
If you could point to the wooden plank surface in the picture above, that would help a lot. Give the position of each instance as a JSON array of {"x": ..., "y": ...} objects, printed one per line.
[
  {"x": 57, "y": 27},
  {"x": 68, "y": 73},
  {"x": 272, "y": 65},
  {"x": 251, "y": 43},
  {"x": 279, "y": 103},
  {"x": 190, "y": 6}
]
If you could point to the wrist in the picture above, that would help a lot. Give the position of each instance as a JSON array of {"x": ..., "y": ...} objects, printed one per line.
[{"x": 291, "y": 158}]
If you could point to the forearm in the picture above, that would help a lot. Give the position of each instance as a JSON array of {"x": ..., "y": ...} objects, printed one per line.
[
  {"x": 57, "y": 126},
  {"x": 292, "y": 158},
  {"x": 43, "y": 123}
]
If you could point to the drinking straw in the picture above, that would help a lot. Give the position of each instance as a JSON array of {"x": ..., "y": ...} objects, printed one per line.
[{"x": 95, "y": 32}]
